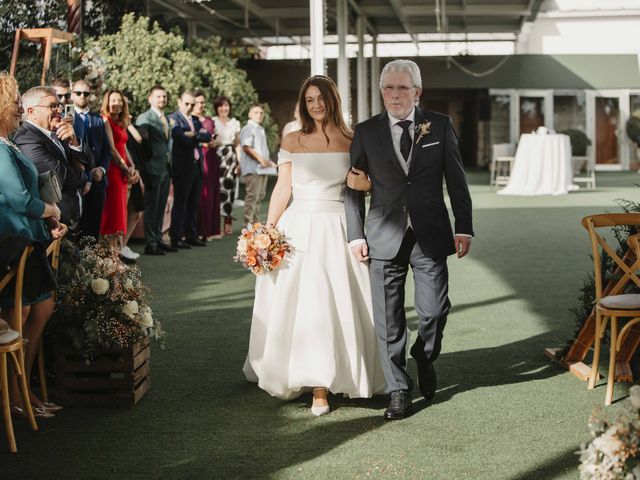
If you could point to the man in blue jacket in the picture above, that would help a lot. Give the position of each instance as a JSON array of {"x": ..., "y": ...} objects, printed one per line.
[
  {"x": 186, "y": 172},
  {"x": 89, "y": 128}
]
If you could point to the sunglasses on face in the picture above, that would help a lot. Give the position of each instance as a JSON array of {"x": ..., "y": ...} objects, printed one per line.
[
  {"x": 189, "y": 104},
  {"x": 66, "y": 96},
  {"x": 82, "y": 94}
]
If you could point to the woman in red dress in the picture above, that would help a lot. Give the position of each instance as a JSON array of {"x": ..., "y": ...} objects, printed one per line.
[{"x": 121, "y": 171}]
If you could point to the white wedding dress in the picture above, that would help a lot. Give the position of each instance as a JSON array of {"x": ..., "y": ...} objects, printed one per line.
[{"x": 312, "y": 322}]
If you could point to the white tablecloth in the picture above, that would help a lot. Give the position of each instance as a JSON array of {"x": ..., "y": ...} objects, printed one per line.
[{"x": 542, "y": 166}]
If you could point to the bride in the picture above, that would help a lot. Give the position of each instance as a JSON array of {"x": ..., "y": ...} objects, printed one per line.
[{"x": 312, "y": 327}]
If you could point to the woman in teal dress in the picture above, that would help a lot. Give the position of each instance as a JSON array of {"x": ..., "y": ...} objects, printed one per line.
[{"x": 22, "y": 212}]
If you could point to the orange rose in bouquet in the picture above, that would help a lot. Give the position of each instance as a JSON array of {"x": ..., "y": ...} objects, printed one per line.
[{"x": 261, "y": 248}]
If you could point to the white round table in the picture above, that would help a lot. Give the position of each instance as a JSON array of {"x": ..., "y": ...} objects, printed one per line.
[{"x": 542, "y": 166}]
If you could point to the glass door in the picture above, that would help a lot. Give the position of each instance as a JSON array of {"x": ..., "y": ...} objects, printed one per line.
[{"x": 607, "y": 112}]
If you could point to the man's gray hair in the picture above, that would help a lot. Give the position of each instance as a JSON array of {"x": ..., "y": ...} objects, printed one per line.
[
  {"x": 33, "y": 96},
  {"x": 398, "y": 66}
]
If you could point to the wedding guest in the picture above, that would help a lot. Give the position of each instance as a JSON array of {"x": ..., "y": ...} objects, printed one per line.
[
  {"x": 139, "y": 152},
  {"x": 22, "y": 212},
  {"x": 294, "y": 125},
  {"x": 186, "y": 172},
  {"x": 62, "y": 86},
  {"x": 155, "y": 171},
  {"x": 51, "y": 144},
  {"x": 89, "y": 127},
  {"x": 209, "y": 211},
  {"x": 115, "y": 114},
  {"x": 255, "y": 154},
  {"x": 227, "y": 141}
]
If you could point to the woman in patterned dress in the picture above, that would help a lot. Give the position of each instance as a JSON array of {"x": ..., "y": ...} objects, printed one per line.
[{"x": 227, "y": 142}]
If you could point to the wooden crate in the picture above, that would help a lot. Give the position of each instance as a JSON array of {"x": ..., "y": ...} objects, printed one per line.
[{"x": 111, "y": 379}]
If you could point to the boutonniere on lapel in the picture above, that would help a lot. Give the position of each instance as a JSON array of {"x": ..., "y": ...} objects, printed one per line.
[
  {"x": 422, "y": 130},
  {"x": 172, "y": 123}
]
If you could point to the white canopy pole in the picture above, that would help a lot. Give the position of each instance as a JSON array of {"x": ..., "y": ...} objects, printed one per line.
[
  {"x": 342, "y": 20},
  {"x": 316, "y": 18},
  {"x": 375, "y": 74},
  {"x": 363, "y": 104}
]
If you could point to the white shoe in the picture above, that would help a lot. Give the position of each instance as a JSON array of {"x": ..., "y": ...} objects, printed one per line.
[
  {"x": 126, "y": 252},
  {"x": 319, "y": 411}
]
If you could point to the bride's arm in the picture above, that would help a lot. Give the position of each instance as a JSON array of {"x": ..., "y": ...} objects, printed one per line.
[{"x": 280, "y": 195}]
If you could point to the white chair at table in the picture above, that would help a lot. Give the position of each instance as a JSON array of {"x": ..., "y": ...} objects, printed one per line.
[
  {"x": 584, "y": 169},
  {"x": 502, "y": 157}
]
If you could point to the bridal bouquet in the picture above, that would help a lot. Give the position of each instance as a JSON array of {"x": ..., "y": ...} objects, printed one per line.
[{"x": 261, "y": 248}]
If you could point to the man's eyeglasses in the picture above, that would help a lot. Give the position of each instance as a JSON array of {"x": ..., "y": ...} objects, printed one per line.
[
  {"x": 53, "y": 107},
  {"x": 82, "y": 94},
  {"x": 66, "y": 96},
  {"x": 399, "y": 88}
]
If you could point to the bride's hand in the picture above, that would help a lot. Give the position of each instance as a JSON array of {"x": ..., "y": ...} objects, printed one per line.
[{"x": 358, "y": 180}]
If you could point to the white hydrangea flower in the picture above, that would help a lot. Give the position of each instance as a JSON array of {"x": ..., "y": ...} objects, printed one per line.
[{"x": 147, "y": 318}]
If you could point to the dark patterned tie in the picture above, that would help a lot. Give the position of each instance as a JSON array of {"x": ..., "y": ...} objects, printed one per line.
[{"x": 405, "y": 139}]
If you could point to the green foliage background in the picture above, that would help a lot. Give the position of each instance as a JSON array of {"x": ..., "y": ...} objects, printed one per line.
[{"x": 141, "y": 54}]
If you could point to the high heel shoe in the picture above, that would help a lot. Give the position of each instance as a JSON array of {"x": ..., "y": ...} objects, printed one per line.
[
  {"x": 38, "y": 412},
  {"x": 318, "y": 411}
]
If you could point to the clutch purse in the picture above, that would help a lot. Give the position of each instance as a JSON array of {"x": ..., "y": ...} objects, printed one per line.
[{"x": 49, "y": 187}]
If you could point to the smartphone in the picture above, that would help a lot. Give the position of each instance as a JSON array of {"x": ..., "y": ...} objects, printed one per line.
[{"x": 69, "y": 111}]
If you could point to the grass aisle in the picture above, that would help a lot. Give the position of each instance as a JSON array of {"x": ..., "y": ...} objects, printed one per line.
[{"x": 501, "y": 412}]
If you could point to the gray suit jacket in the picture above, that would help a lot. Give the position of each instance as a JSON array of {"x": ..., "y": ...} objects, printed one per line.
[{"x": 416, "y": 193}]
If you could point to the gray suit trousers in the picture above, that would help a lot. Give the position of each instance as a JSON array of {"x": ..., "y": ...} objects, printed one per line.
[{"x": 388, "y": 278}]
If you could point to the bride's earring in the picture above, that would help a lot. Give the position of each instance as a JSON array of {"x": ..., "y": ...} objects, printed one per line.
[{"x": 320, "y": 409}]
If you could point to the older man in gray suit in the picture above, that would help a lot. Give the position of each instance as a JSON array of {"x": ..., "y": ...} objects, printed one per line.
[{"x": 407, "y": 151}]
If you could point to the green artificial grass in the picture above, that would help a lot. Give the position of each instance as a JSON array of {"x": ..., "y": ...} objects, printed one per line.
[{"x": 502, "y": 410}]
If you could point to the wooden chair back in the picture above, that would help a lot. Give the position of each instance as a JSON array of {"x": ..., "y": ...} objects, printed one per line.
[{"x": 628, "y": 271}]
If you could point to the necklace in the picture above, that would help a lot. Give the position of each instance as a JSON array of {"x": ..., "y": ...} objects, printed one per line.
[{"x": 8, "y": 142}]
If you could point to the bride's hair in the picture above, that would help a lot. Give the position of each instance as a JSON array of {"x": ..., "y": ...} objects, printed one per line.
[{"x": 331, "y": 98}]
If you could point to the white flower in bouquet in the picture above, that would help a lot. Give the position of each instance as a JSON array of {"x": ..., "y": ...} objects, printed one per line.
[
  {"x": 128, "y": 284},
  {"x": 242, "y": 245},
  {"x": 130, "y": 308},
  {"x": 147, "y": 318},
  {"x": 100, "y": 286}
]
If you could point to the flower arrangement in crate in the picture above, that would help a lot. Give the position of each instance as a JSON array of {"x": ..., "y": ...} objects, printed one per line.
[
  {"x": 614, "y": 452},
  {"x": 102, "y": 304}
]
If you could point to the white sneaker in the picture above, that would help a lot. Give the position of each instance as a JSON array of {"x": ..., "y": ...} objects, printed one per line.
[{"x": 126, "y": 252}]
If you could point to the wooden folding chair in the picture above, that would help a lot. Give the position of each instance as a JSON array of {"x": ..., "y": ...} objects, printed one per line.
[
  {"x": 53, "y": 251},
  {"x": 15, "y": 349},
  {"x": 616, "y": 304}
]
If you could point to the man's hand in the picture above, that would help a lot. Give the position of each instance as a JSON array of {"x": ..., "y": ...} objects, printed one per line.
[
  {"x": 86, "y": 188},
  {"x": 65, "y": 133},
  {"x": 463, "y": 244},
  {"x": 97, "y": 174},
  {"x": 361, "y": 252},
  {"x": 190, "y": 134}
]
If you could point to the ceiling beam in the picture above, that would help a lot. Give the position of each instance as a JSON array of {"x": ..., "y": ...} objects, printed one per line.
[
  {"x": 452, "y": 10},
  {"x": 398, "y": 10}
]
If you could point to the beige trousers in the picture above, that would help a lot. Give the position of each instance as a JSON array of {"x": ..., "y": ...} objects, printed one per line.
[{"x": 255, "y": 189}]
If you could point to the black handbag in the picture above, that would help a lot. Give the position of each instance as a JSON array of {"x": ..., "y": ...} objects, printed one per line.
[{"x": 49, "y": 187}]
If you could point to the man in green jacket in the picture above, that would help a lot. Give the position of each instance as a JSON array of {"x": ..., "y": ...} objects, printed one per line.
[{"x": 155, "y": 172}]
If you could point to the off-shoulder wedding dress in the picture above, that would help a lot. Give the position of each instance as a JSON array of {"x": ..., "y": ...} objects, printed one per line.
[{"x": 312, "y": 323}]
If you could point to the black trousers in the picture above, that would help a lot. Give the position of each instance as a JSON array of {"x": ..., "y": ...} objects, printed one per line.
[
  {"x": 92, "y": 205},
  {"x": 184, "y": 214}
]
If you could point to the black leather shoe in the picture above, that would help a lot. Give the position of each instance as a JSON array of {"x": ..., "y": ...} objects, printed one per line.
[
  {"x": 427, "y": 378},
  {"x": 181, "y": 244},
  {"x": 153, "y": 250},
  {"x": 167, "y": 248},
  {"x": 195, "y": 242},
  {"x": 128, "y": 261},
  {"x": 400, "y": 406}
]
